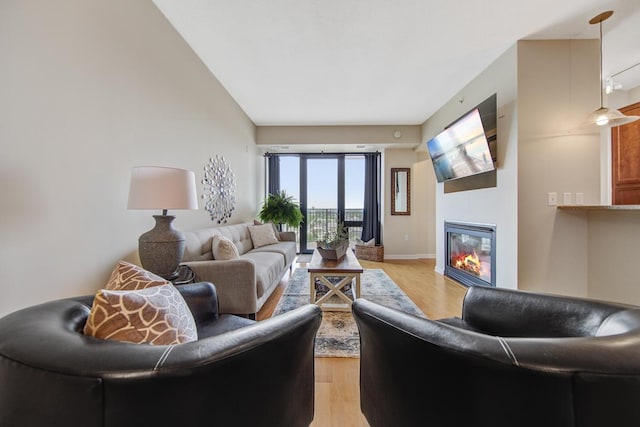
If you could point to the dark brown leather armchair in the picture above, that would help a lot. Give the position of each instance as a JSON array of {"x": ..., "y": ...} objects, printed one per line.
[
  {"x": 513, "y": 359},
  {"x": 238, "y": 373}
]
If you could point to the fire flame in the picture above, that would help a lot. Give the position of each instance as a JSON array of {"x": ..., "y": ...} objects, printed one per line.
[{"x": 469, "y": 263}]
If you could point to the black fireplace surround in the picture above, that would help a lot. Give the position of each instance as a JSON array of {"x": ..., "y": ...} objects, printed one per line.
[{"x": 470, "y": 253}]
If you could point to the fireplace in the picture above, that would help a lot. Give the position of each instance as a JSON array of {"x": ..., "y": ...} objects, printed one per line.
[{"x": 470, "y": 253}]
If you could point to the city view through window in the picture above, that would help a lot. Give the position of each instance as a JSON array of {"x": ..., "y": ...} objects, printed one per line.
[{"x": 322, "y": 195}]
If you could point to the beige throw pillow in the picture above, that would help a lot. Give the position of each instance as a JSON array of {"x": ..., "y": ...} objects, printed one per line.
[
  {"x": 223, "y": 248},
  {"x": 127, "y": 276},
  {"x": 262, "y": 235},
  {"x": 156, "y": 315},
  {"x": 276, "y": 232}
]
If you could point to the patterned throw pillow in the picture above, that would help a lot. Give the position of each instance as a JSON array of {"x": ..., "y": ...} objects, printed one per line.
[
  {"x": 127, "y": 276},
  {"x": 156, "y": 315},
  {"x": 262, "y": 235},
  {"x": 223, "y": 248}
]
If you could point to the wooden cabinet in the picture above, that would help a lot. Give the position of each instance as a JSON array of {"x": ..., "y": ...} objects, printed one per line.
[{"x": 625, "y": 154}]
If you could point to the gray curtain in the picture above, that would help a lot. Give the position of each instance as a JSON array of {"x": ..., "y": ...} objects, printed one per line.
[
  {"x": 371, "y": 215},
  {"x": 273, "y": 165}
]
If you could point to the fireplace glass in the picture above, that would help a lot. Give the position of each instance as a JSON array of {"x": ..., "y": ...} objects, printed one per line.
[{"x": 470, "y": 253}]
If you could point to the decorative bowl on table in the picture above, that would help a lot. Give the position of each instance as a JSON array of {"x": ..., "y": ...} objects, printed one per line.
[{"x": 332, "y": 251}]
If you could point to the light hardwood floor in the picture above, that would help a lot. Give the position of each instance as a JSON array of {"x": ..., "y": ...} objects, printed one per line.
[{"x": 337, "y": 392}]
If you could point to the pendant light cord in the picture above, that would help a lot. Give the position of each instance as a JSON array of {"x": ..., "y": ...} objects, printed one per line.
[{"x": 601, "y": 96}]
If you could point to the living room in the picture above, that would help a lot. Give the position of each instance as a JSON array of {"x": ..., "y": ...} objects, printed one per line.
[{"x": 92, "y": 89}]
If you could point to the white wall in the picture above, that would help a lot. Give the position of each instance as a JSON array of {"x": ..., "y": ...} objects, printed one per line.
[
  {"x": 557, "y": 89},
  {"x": 490, "y": 205},
  {"x": 634, "y": 95},
  {"x": 90, "y": 89}
]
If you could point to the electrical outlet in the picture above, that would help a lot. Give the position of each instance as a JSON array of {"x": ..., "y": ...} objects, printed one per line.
[
  {"x": 406, "y": 237},
  {"x": 552, "y": 199},
  {"x": 567, "y": 199},
  {"x": 579, "y": 198}
]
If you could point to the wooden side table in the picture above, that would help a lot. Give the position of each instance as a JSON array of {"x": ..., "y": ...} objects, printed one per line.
[{"x": 348, "y": 268}]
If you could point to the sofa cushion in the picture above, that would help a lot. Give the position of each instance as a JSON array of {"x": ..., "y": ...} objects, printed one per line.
[
  {"x": 198, "y": 243},
  {"x": 127, "y": 276},
  {"x": 223, "y": 248},
  {"x": 286, "y": 249},
  {"x": 268, "y": 269},
  {"x": 155, "y": 315},
  {"x": 262, "y": 235}
]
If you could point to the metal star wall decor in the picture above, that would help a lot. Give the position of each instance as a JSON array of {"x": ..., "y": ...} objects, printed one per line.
[{"x": 219, "y": 189}]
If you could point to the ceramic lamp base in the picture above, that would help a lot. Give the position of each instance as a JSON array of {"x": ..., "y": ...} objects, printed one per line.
[{"x": 161, "y": 248}]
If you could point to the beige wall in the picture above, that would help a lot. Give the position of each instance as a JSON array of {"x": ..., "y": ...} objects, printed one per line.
[
  {"x": 90, "y": 89},
  {"x": 557, "y": 89},
  {"x": 613, "y": 245},
  {"x": 490, "y": 205},
  {"x": 613, "y": 236},
  {"x": 409, "y": 236},
  {"x": 333, "y": 135}
]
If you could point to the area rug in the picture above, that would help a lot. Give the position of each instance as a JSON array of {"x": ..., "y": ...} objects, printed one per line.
[
  {"x": 338, "y": 334},
  {"x": 304, "y": 258}
]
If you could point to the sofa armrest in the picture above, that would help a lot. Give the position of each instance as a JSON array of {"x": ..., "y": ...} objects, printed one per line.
[
  {"x": 234, "y": 280},
  {"x": 287, "y": 236}
]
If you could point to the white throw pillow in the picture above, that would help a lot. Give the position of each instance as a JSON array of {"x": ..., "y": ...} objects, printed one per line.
[
  {"x": 262, "y": 235},
  {"x": 223, "y": 248}
]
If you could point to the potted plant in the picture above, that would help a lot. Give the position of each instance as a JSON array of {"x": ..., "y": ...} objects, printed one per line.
[
  {"x": 281, "y": 208},
  {"x": 335, "y": 244}
]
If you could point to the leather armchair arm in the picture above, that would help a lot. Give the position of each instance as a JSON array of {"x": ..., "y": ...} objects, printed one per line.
[
  {"x": 202, "y": 299},
  {"x": 511, "y": 313},
  {"x": 427, "y": 335},
  {"x": 613, "y": 354},
  {"x": 233, "y": 279}
]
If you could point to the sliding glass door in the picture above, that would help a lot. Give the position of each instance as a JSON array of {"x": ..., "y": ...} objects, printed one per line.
[{"x": 330, "y": 188}]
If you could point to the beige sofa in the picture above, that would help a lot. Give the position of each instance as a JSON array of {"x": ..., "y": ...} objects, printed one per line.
[{"x": 243, "y": 284}]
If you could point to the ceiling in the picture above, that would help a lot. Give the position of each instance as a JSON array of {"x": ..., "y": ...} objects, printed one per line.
[{"x": 379, "y": 62}]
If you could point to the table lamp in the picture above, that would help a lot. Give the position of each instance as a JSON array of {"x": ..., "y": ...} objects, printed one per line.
[{"x": 155, "y": 187}]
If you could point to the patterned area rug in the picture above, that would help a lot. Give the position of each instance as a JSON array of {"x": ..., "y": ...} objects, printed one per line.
[{"x": 338, "y": 334}]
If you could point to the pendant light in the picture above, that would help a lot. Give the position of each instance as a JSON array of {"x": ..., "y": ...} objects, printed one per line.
[{"x": 604, "y": 116}]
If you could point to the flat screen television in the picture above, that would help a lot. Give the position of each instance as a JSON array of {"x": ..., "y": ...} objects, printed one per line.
[{"x": 461, "y": 150}]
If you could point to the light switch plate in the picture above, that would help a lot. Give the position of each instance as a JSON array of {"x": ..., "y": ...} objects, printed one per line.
[
  {"x": 567, "y": 199},
  {"x": 552, "y": 199}
]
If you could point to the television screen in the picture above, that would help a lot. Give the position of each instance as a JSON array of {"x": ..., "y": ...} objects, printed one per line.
[{"x": 461, "y": 150}]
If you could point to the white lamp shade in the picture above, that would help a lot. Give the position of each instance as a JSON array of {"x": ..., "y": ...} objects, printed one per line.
[{"x": 156, "y": 187}]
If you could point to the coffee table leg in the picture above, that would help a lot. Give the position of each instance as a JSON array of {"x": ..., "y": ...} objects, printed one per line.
[{"x": 312, "y": 288}]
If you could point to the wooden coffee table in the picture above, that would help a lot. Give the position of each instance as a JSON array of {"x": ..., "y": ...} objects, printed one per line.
[{"x": 347, "y": 268}]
